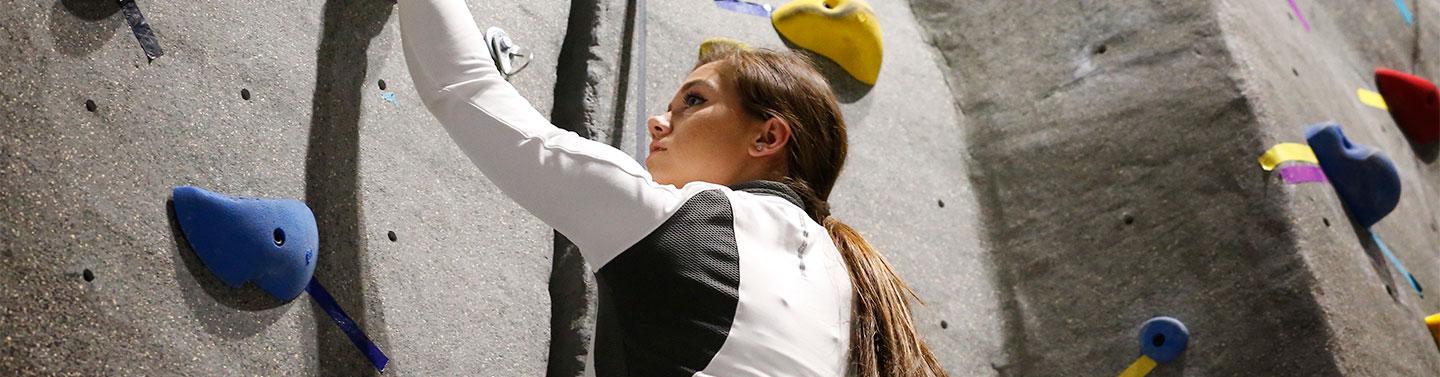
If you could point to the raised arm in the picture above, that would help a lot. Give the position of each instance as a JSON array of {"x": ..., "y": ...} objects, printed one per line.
[{"x": 592, "y": 193}]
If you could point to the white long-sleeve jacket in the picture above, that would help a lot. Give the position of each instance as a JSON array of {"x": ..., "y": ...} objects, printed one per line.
[{"x": 705, "y": 280}]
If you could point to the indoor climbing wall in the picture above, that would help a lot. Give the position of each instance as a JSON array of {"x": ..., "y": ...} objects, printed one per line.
[
  {"x": 312, "y": 101},
  {"x": 1062, "y": 184}
]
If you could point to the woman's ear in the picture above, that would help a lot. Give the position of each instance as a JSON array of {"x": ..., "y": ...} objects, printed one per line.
[{"x": 773, "y": 134}]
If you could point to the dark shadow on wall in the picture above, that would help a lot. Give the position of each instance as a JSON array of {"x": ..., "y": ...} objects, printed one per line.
[
  {"x": 1392, "y": 282},
  {"x": 1427, "y": 153},
  {"x": 213, "y": 302},
  {"x": 332, "y": 178},
  {"x": 80, "y": 27}
]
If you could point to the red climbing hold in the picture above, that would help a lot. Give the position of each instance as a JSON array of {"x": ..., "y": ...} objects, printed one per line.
[{"x": 1413, "y": 102}]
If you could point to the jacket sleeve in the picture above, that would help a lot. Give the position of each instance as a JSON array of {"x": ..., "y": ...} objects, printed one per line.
[{"x": 592, "y": 193}]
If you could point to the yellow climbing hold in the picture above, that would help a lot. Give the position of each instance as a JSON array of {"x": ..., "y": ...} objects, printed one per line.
[
  {"x": 720, "y": 42},
  {"x": 1371, "y": 98},
  {"x": 1433, "y": 322},
  {"x": 846, "y": 31},
  {"x": 1287, "y": 152}
]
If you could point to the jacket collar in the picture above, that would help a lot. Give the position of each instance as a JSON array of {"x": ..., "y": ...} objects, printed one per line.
[{"x": 772, "y": 188}]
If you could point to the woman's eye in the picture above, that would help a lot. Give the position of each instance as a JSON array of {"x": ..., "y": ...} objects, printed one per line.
[{"x": 693, "y": 100}]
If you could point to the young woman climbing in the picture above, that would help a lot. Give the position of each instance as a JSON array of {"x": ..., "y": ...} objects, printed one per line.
[{"x": 721, "y": 258}]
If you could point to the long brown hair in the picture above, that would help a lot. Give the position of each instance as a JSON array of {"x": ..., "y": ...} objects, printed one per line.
[{"x": 785, "y": 85}]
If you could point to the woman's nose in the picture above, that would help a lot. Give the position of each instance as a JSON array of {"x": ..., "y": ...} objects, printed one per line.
[{"x": 659, "y": 125}]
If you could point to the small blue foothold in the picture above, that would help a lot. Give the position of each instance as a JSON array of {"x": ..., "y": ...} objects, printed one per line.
[
  {"x": 271, "y": 242},
  {"x": 1364, "y": 178},
  {"x": 1163, "y": 339}
]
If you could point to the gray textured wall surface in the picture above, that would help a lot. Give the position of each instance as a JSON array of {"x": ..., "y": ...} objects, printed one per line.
[
  {"x": 1046, "y": 175},
  {"x": 1114, "y": 149},
  {"x": 461, "y": 290}
]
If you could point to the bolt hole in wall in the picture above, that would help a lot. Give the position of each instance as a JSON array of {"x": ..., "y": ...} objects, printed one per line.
[
  {"x": 381, "y": 83},
  {"x": 1101, "y": 49},
  {"x": 1295, "y": 71},
  {"x": 391, "y": 234},
  {"x": 245, "y": 94},
  {"x": 88, "y": 275},
  {"x": 940, "y": 203},
  {"x": 279, "y": 235},
  {"x": 90, "y": 105},
  {"x": 944, "y": 325},
  {"x": 1128, "y": 219},
  {"x": 1326, "y": 220},
  {"x": 1158, "y": 340}
]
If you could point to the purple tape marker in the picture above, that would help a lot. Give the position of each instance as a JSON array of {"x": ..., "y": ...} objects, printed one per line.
[
  {"x": 746, "y": 7},
  {"x": 1299, "y": 15},
  {"x": 1297, "y": 174}
]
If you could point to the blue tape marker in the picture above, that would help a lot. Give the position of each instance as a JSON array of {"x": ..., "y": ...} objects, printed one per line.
[
  {"x": 746, "y": 7},
  {"x": 353, "y": 331},
  {"x": 1396, "y": 261},
  {"x": 141, "y": 29},
  {"x": 1404, "y": 11},
  {"x": 390, "y": 97}
]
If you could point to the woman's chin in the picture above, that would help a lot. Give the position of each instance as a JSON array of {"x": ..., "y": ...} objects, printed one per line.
[
  {"x": 657, "y": 170},
  {"x": 658, "y": 176}
]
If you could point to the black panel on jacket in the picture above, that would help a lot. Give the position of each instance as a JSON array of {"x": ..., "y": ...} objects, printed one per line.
[{"x": 674, "y": 293}]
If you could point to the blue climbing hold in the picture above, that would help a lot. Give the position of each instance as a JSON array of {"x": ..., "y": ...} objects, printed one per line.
[
  {"x": 1163, "y": 339},
  {"x": 1365, "y": 179},
  {"x": 271, "y": 242}
]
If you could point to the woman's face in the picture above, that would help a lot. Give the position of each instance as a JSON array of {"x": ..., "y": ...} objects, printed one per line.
[{"x": 705, "y": 134}]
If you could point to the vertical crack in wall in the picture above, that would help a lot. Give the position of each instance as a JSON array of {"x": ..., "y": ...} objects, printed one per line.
[
  {"x": 622, "y": 84},
  {"x": 332, "y": 178},
  {"x": 575, "y": 88},
  {"x": 571, "y": 286}
]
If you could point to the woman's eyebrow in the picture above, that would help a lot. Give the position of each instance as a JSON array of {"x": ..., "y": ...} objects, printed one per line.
[{"x": 694, "y": 82}]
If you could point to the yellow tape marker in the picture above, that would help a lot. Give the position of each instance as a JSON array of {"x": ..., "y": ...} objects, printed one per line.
[
  {"x": 1140, "y": 367},
  {"x": 1371, "y": 98},
  {"x": 1287, "y": 152}
]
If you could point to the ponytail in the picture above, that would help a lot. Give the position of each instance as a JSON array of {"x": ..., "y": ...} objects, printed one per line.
[
  {"x": 883, "y": 340},
  {"x": 785, "y": 85}
]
